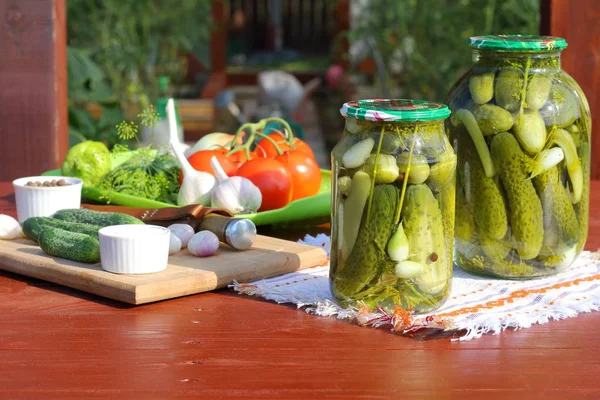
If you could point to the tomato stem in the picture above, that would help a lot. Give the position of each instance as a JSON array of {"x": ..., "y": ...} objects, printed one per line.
[
  {"x": 245, "y": 146},
  {"x": 256, "y": 129},
  {"x": 289, "y": 135},
  {"x": 241, "y": 130},
  {"x": 274, "y": 143}
]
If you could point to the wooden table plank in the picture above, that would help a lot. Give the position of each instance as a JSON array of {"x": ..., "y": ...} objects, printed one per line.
[{"x": 58, "y": 342}]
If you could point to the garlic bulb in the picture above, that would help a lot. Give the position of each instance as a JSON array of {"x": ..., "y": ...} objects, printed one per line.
[
  {"x": 9, "y": 227},
  {"x": 197, "y": 185},
  {"x": 212, "y": 141},
  {"x": 236, "y": 194}
]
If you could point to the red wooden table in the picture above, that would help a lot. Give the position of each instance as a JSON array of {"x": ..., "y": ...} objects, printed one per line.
[{"x": 61, "y": 343}]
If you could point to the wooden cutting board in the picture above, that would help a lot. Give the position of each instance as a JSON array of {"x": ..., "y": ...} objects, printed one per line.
[{"x": 184, "y": 275}]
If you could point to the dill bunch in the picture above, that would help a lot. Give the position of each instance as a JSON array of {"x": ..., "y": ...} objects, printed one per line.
[{"x": 147, "y": 174}]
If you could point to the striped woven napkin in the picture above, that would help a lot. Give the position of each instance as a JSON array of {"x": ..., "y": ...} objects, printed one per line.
[{"x": 476, "y": 305}]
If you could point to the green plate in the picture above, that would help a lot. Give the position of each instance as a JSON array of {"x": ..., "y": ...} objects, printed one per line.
[{"x": 316, "y": 207}]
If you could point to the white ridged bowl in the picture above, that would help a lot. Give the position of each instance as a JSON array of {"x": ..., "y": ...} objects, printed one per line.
[
  {"x": 134, "y": 249},
  {"x": 44, "y": 201}
]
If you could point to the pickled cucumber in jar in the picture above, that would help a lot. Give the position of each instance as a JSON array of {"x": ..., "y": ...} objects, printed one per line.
[
  {"x": 393, "y": 203},
  {"x": 522, "y": 130}
]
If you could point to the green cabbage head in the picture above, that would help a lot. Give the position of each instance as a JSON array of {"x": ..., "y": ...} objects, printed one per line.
[{"x": 88, "y": 161}]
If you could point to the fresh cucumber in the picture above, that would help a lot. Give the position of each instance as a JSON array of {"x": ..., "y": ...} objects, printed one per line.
[
  {"x": 93, "y": 217},
  {"x": 33, "y": 227},
  {"x": 74, "y": 246}
]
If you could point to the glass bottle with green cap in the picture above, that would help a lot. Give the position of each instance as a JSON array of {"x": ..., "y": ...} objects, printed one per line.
[
  {"x": 393, "y": 197},
  {"x": 521, "y": 127}
]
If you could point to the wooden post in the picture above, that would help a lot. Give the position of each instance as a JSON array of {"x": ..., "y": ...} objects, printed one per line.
[
  {"x": 577, "y": 22},
  {"x": 218, "y": 52},
  {"x": 33, "y": 87}
]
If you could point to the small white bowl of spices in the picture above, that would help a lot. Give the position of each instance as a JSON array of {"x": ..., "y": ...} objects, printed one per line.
[{"x": 42, "y": 196}]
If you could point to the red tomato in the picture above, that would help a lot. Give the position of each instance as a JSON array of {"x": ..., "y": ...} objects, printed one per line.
[
  {"x": 269, "y": 150},
  {"x": 305, "y": 172},
  {"x": 200, "y": 161},
  {"x": 272, "y": 179},
  {"x": 302, "y": 146},
  {"x": 239, "y": 157},
  {"x": 260, "y": 152}
]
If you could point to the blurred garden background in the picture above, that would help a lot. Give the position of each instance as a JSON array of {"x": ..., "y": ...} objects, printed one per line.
[{"x": 124, "y": 55}]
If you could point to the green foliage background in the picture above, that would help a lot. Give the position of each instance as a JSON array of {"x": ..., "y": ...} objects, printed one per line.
[
  {"x": 427, "y": 39},
  {"x": 116, "y": 51}
]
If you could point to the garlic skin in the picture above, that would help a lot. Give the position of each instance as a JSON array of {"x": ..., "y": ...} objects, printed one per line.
[
  {"x": 10, "y": 228},
  {"x": 236, "y": 194},
  {"x": 215, "y": 140},
  {"x": 197, "y": 186}
]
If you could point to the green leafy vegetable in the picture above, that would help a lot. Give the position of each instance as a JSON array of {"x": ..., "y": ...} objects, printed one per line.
[
  {"x": 147, "y": 174},
  {"x": 88, "y": 161}
]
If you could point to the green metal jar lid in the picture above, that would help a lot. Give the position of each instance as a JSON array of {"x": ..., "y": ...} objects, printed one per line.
[
  {"x": 395, "y": 110},
  {"x": 518, "y": 42}
]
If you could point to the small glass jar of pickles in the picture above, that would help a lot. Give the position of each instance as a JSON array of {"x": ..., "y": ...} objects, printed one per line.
[
  {"x": 521, "y": 128},
  {"x": 393, "y": 197}
]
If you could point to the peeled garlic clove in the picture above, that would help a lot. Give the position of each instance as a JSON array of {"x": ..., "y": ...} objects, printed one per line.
[
  {"x": 174, "y": 244},
  {"x": 184, "y": 233},
  {"x": 9, "y": 227},
  {"x": 358, "y": 153},
  {"x": 398, "y": 245},
  {"x": 204, "y": 244},
  {"x": 408, "y": 269},
  {"x": 547, "y": 159}
]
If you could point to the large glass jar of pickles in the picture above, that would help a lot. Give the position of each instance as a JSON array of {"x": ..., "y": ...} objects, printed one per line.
[
  {"x": 393, "y": 196},
  {"x": 521, "y": 129}
]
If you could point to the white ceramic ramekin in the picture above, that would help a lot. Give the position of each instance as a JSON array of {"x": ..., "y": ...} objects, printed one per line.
[
  {"x": 134, "y": 249},
  {"x": 43, "y": 201}
]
